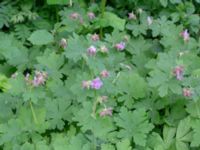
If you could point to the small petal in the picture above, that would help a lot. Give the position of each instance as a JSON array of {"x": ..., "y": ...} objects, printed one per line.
[
  {"x": 86, "y": 84},
  {"x": 187, "y": 92},
  {"x": 92, "y": 50},
  {"x": 120, "y": 46},
  {"x": 95, "y": 37},
  {"x": 106, "y": 112},
  {"x": 103, "y": 49},
  {"x": 74, "y": 15},
  {"x": 91, "y": 15},
  {"x": 185, "y": 35},
  {"x": 131, "y": 16},
  {"x": 178, "y": 72},
  {"x": 104, "y": 74}
]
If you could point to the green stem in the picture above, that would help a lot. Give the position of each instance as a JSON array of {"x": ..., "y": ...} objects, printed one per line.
[
  {"x": 103, "y": 5},
  {"x": 33, "y": 113}
]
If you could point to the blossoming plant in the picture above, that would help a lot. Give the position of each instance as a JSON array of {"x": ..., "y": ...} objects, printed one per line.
[{"x": 100, "y": 75}]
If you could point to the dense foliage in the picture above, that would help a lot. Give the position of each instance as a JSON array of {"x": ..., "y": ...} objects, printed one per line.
[{"x": 100, "y": 75}]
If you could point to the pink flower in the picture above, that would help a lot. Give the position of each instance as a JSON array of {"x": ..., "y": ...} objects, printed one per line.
[
  {"x": 86, "y": 84},
  {"x": 96, "y": 83},
  {"x": 120, "y": 46},
  {"x": 103, "y": 49},
  {"x": 178, "y": 72},
  {"x": 91, "y": 15},
  {"x": 92, "y": 50},
  {"x": 63, "y": 43},
  {"x": 74, "y": 15},
  {"x": 131, "y": 16},
  {"x": 106, "y": 112},
  {"x": 185, "y": 35},
  {"x": 95, "y": 37},
  {"x": 187, "y": 92},
  {"x": 149, "y": 20},
  {"x": 39, "y": 78},
  {"x": 104, "y": 73}
]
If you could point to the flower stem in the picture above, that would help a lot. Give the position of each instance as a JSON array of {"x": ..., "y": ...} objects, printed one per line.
[
  {"x": 33, "y": 113},
  {"x": 103, "y": 5}
]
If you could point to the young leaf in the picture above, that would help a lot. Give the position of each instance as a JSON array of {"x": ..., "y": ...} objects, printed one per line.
[{"x": 41, "y": 37}]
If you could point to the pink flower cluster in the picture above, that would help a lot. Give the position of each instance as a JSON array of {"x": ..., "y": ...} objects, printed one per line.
[{"x": 39, "y": 78}]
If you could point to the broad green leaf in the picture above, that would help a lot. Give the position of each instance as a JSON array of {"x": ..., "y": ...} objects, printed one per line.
[
  {"x": 134, "y": 124},
  {"x": 133, "y": 84},
  {"x": 183, "y": 129},
  {"x": 41, "y": 37}
]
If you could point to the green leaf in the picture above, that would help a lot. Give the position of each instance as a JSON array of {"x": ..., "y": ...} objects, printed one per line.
[
  {"x": 51, "y": 63},
  {"x": 77, "y": 46},
  {"x": 183, "y": 129},
  {"x": 164, "y": 2},
  {"x": 56, "y": 2},
  {"x": 100, "y": 127},
  {"x": 41, "y": 37},
  {"x": 58, "y": 110},
  {"x": 134, "y": 124},
  {"x": 195, "y": 142},
  {"x": 107, "y": 147},
  {"x": 111, "y": 19},
  {"x": 124, "y": 144},
  {"x": 193, "y": 108},
  {"x": 133, "y": 84}
]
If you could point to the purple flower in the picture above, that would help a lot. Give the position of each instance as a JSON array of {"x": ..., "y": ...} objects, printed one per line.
[
  {"x": 120, "y": 46},
  {"x": 96, "y": 83},
  {"x": 185, "y": 35},
  {"x": 178, "y": 72},
  {"x": 92, "y": 50},
  {"x": 131, "y": 16},
  {"x": 91, "y": 15},
  {"x": 106, "y": 112}
]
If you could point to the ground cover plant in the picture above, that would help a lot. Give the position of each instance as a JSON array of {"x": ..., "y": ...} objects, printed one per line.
[{"x": 100, "y": 75}]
